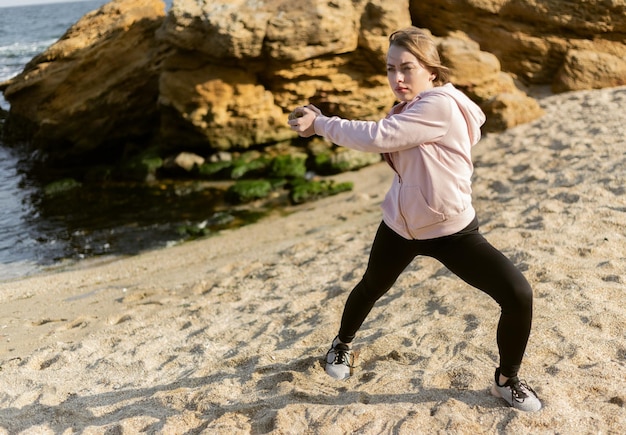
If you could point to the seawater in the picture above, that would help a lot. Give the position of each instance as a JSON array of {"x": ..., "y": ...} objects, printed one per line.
[
  {"x": 25, "y": 31},
  {"x": 38, "y": 232},
  {"x": 17, "y": 256}
]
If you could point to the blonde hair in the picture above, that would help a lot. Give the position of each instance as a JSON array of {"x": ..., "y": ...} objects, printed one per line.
[{"x": 423, "y": 47}]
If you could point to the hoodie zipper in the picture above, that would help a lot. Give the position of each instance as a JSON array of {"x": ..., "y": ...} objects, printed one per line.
[
  {"x": 387, "y": 156},
  {"x": 389, "y": 160}
]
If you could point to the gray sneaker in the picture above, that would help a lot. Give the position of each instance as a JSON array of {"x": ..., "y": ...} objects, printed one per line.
[
  {"x": 516, "y": 393},
  {"x": 339, "y": 361}
]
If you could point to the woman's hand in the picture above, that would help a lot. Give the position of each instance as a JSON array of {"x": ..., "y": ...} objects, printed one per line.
[{"x": 302, "y": 119}]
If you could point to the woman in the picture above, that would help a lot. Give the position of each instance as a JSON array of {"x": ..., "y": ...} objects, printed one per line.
[{"x": 426, "y": 139}]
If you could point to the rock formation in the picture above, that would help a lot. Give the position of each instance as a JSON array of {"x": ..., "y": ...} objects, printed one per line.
[
  {"x": 220, "y": 76},
  {"x": 94, "y": 91},
  {"x": 236, "y": 74},
  {"x": 568, "y": 44}
]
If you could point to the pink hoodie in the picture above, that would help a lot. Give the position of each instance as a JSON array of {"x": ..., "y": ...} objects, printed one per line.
[{"x": 427, "y": 142}]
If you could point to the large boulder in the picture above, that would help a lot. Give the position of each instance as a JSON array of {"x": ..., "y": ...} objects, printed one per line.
[
  {"x": 241, "y": 66},
  {"x": 478, "y": 73},
  {"x": 571, "y": 45},
  {"x": 586, "y": 69},
  {"x": 94, "y": 92}
]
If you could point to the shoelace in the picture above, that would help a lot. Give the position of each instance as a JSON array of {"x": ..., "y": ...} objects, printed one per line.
[
  {"x": 342, "y": 356},
  {"x": 517, "y": 389}
]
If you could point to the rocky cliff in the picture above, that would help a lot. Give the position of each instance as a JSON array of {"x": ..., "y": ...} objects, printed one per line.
[
  {"x": 217, "y": 76},
  {"x": 94, "y": 91},
  {"x": 568, "y": 44}
]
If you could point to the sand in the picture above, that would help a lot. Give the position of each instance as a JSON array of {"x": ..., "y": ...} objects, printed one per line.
[{"x": 226, "y": 335}]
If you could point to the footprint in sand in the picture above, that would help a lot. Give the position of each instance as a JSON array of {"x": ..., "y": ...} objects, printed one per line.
[
  {"x": 116, "y": 320},
  {"x": 43, "y": 359},
  {"x": 78, "y": 323},
  {"x": 45, "y": 321}
]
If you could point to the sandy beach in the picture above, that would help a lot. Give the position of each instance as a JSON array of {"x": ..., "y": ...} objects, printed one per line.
[{"x": 226, "y": 335}]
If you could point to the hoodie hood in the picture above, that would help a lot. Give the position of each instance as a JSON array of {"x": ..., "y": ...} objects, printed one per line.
[{"x": 474, "y": 116}]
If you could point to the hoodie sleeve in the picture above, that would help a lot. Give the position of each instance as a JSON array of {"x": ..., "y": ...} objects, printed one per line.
[{"x": 422, "y": 121}]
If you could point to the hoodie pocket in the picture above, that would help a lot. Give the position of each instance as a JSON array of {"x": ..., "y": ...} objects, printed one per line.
[{"x": 415, "y": 209}]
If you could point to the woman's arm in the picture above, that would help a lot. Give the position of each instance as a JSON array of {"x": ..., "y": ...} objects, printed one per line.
[{"x": 425, "y": 120}]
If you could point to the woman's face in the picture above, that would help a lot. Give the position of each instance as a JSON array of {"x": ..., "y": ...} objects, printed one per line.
[{"x": 407, "y": 77}]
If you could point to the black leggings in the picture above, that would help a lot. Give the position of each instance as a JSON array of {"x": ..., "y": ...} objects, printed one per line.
[{"x": 469, "y": 256}]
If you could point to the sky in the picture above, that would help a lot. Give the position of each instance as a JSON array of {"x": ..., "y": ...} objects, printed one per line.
[{"x": 4, "y": 3}]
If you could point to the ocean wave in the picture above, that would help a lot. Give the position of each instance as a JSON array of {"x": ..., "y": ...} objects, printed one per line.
[
  {"x": 13, "y": 57},
  {"x": 25, "y": 48}
]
